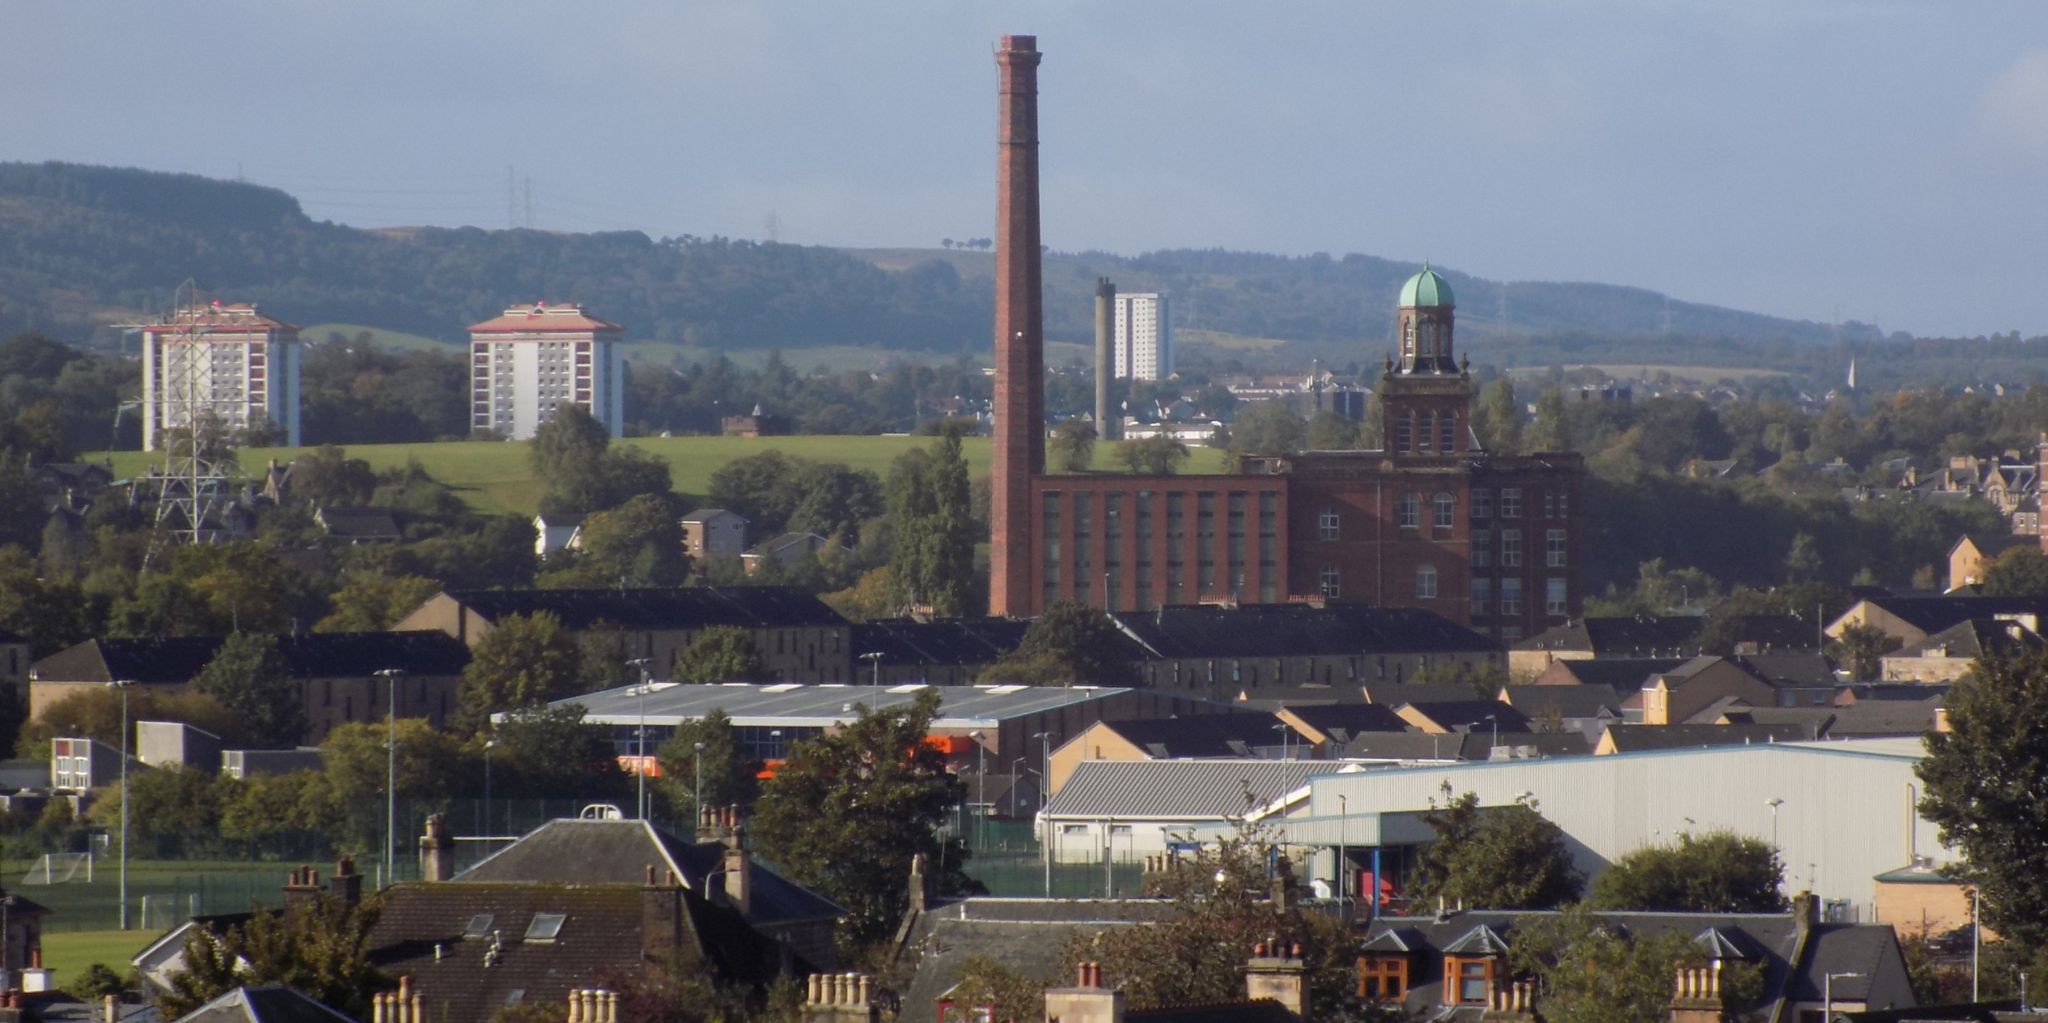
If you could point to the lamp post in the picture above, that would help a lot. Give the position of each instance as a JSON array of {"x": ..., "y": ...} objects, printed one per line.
[
  {"x": 1494, "y": 720},
  {"x": 1976, "y": 945},
  {"x": 7, "y": 965},
  {"x": 1014, "y": 764},
  {"x": 640, "y": 751},
  {"x": 1283, "y": 730},
  {"x": 1343, "y": 869},
  {"x": 1827, "y": 994},
  {"x": 980, "y": 786},
  {"x": 391, "y": 677},
  {"x": 874, "y": 659},
  {"x": 122, "y": 685},
  {"x": 1045, "y": 782},
  {"x": 489, "y": 745},
  {"x": 1774, "y": 802},
  {"x": 697, "y": 785}
]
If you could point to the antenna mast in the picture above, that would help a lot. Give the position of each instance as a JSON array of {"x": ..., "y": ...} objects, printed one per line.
[{"x": 192, "y": 486}]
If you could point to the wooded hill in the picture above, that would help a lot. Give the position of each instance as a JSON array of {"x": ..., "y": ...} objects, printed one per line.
[{"x": 82, "y": 247}]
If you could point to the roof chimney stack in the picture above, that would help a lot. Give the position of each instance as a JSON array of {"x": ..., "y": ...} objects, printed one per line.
[{"x": 1086, "y": 1002}]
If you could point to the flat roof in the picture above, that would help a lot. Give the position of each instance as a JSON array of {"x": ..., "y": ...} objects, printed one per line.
[{"x": 791, "y": 704}]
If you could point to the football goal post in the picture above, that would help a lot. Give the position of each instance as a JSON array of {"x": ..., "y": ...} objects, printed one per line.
[{"x": 57, "y": 868}]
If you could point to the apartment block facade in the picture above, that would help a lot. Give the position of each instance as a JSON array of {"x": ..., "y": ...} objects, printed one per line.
[
  {"x": 1144, "y": 337},
  {"x": 227, "y": 366},
  {"x": 531, "y": 360}
]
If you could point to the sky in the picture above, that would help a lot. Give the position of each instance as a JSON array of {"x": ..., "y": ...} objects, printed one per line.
[{"x": 1819, "y": 159}]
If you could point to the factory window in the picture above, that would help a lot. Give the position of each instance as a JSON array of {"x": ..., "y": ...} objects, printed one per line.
[
  {"x": 1511, "y": 548},
  {"x": 1447, "y": 433},
  {"x": 1564, "y": 499},
  {"x": 1482, "y": 596},
  {"x": 1482, "y": 548},
  {"x": 1404, "y": 432},
  {"x": 1554, "y": 597},
  {"x": 1425, "y": 439},
  {"x": 1443, "y": 506},
  {"x": 1511, "y": 502},
  {"x": 1549, "y": 504},
  {"x": 1326, "y": 524},
  {"x": 1425, "y": 583},
  {"x": 1510, "y": 596},
  {"x": 1482, "y": 504},
  {"x": 1554, "y": 548},
  {"x": 1408, "y": 339},
  {"x": 1408, "y": 510},
  {"x": 1332, "y": 584}
]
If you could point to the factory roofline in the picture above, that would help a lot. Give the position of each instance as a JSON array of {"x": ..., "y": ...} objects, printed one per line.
[{"x": 791, "y": 704}]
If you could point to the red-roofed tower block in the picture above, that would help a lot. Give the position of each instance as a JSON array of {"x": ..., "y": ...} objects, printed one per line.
[
  {"x": 535, "y": 358},
  {"x": 227, "y": 362}
]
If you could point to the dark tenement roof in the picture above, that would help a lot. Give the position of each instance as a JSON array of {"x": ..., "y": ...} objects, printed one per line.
[
  {"x": 947, "y": 641},
  {"x": 690, "y": 607},
  {"x": 270, "y": 1003},
  {"x": 1204, "y": 735},
  {"x": 164, "y": 659},
  {"x": 1295, "y": 630}
]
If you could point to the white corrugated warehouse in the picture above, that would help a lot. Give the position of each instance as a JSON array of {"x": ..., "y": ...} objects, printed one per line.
[{"x": 1844, "y": 810}]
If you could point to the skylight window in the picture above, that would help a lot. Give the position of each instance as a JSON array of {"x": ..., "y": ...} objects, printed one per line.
[
  {"x": 545, "y": 926},
  {"x": 479, "y": 926}
]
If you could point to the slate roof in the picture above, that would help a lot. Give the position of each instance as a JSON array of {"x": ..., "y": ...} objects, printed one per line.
[
  {"x": 945, "y": 641},
  {"x": 1471, "y": 714},
  {"x": 1264, "y": 1010},
  {"x": 1933, "y": 614},
  {"x": 1474, "y": 745},
  {"x": 1205, "y": 735},
  {"x": 1341, "y": 721},
  {"x": 1974, "y": 638},
  {"x": 1637, "y": 635},
  {"x": 588, "y": 852},
  {"x": 165, "y": 659},
  {"x": 1023, "y": 934},
  {"x": 691, "y": 607},
  {"x": 1294, "y": 630},
  {"x": 1782, "y": 669},
  {"x": 1394, "y": 694},
  {"x": 702, "y": 515},
  {"x": 1564, "y": 701},
  {"x": 359, "y": 523},
  {"x": 1774, "y": 632},
  {"x": 1992, "y": 545},
  {"x": 1176, "y": 789},
  {"x": 1637, "y": 738},
  {"x": 605, "y": 926},
  {"x": 1909, "y": 692},
  {"x": 1868, "y": 949},
  {"x": 806, "y": 705},
  {"x": 1623, "y": 675},
  {"x": 270, "y": 1003}
]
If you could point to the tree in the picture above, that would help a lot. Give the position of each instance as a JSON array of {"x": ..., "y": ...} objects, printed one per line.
[
  {"x": 1071, "y": 446},
  {"x": 2019, "y": 572},
  {"x": 50, "y": 613},
  {"x": 1864, "y": 647},
  {"x": 319, "y": 947},
  {"x": 173, "y": 812},
  {"x": 759, "y": 488},
  {"x": 1328, "y": 431},
  {"x": 638, "y": 543},
  {"x": 1224, "y": 901},
  {"x": 326, "y": 475},
  {"x": 1589, "y": 972},
  {"x": 1155, "y": 456},
  {"x": 1267, "y": 428},
  {"x": 1718, "y": 872},
  {"x": 1068, "y": 644},
  {"x": 1802, "y": 562},
  {"x": 551, "y": 752},
  {"x": 1016, "y": 996},
  {"x": 1504, "y": 857},
  {"x": 725, "y": 775},
  {"x": 249, "y": 676},
  {"x": 1498, "y": 418},
  {"x": 849, "y": 810},
  {"x": 1987, "y": 789},
  {"x": 931, "y": 511},
  {"x": 350, "y": 799},
  {"x": 720, "y": 653},
  {"x": 374, "y": 602},
  {"x": 523, "y": 662}
]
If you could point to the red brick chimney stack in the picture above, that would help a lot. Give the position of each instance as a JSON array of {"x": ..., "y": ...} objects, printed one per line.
[{"x": 1019, "y": 330}]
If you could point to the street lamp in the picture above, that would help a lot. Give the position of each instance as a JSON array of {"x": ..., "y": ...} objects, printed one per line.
[
  {"x": 489, "y": 745},
  {"x": 1774, "y": 802},
  {"x": 980, "y": 787},
  {"x": 391, "y": 677},
  {"x": 874, "y": 658},
  {"x": 1014, "y": 764},
  {"x": 1495, "y": 721},
  {"x": 1045, "y": 783},
  {"x": 640, "y": 753},
  {"x": 1283, "y": 730},
  {"x": 123, "y": 685},
  {"x": 1827, "y": 994},
  {"x": 697, "y": 787},
  {"x": 1343, "y": 870}
]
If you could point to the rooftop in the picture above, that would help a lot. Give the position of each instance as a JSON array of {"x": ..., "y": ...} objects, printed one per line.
[
  {"x": 167, "y": 659},
  {"x": 544, "y": 316},
  {"x": 1295, "y": 630},
  {"x": 659, "y": 608},
  {"x": 794, "y": 704},
  {"x": 1178, "y": 789}
]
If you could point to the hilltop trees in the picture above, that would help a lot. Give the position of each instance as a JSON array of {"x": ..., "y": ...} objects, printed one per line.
[{"x": 572, "y": 452}]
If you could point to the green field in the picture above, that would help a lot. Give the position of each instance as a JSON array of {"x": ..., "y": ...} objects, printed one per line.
[
  {"x": 392, "y": 340},
  {"x": 495, "y": 476},
  {"x": 68, "y": 953}
]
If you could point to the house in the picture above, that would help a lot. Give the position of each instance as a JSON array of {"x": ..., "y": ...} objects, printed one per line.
[
  {"x": 557, "y": 532},
  {"x": 1332, "y": 725},
  {"x": 1675, "y": 696},
  {"x": 1586, "y": 710},
  {"x": 1643, "y": 738},
  {"x": 1209, "y": 736},
  {"x": 174, "y": 743},
  {"x": 338, "y": 673},
  {"x": 1234, "y": 652},
  {"x": 267, "y": 1003},
  {"x": 1921, "y": 899},
  {"x": 80, "y": 765},
  {"x": 941, "y": 652},
  {"x": 1624, "y": 676},
  {"x": 714, "y": 533},
  {"x": 787, "y": 549},
  {"x": 1587, "y": 638},
  {"x": 1442, "y": 717},
  {"x": 1912, "y": 619},
  {"x": 359, "y": 525},
  {"x": 1456, "y": 966},
  {"x": 618, "y": 852},
  {"x": 1128, "y": 809},
  {"x": 1415, "y": 747},
  {"x": 798, "y": 637},
  {"x": 1026, "y": 935},
  {"x": 1971, "y": 554},
  {"x": 1948, "y": 655},
  {"x": 754, "y": 424}
]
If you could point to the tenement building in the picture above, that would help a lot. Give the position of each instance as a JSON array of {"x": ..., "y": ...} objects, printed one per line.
[{"x": 1432, "y": 520}]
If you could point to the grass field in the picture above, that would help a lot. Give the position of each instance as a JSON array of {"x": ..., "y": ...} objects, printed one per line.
[
  {"x": 495, "y": 477},
  {"x": 389, "y": 339},
  {"x": 68, "y": 953},
  {"x": 1694, "y": 374}
]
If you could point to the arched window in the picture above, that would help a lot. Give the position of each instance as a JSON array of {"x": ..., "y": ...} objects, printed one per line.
[
  {"x": 1408, "y": 510},
  {"x": 1443, "y": 508},
  {"x": 1447, "y": 433},
  {"x": 1425, "y": 583},
  {"x": 1426, "y": 437}
]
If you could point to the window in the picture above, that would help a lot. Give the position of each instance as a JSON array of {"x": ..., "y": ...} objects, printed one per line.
[
  {"x": 1444, "y": 506},
  {"x": 1511, "y": 502},
  {"x": 479, "y": 926},
  {"x": 1447, "y": 433},
  {"x": 1382, "y": 978},
  {"x": 1333, "y": 586},
  {"x": 1468, "y": 981},
  {"x": 1326, "y": 524},
  {"x": 1549, "y": 504},
  {"x": 1482, "y": 548},
  {"x": 1404, "y": 432},
  {"x": 1425, "y": 583},
  {"x": 1408, "y": 338},
  {"x": 1564, "y": 510},
  {"x": 1553, "y": 597},
  {"x": 1482, "y": 596},
  {"x": 1425, "y": 440},
  {"x": 1482, "y": 504},
  {"x": 1553, "y": 548},
  {"x": 1510, "y": 596},
  {"x": 1511, "y": 548},
  {"x": 1408, "y": 510},
  {"x": 545, "y": 926}
]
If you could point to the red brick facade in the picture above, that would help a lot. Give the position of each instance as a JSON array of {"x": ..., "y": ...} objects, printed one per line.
[{"x": 1019, "y": 331}]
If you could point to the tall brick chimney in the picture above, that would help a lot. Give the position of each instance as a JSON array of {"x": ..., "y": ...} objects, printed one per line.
[
  {"x": 1019, "y": 330},
  {"x": 1109, "y": 422}
]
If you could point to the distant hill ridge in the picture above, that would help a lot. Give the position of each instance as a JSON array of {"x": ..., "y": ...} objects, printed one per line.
[{"x": 82, "y": 247}]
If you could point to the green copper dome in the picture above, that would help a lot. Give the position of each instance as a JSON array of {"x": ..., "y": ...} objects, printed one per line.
[{"x": 1427, "y": 289}]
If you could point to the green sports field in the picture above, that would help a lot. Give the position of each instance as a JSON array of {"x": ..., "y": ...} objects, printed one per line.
[{"x": 495, "y": 476}]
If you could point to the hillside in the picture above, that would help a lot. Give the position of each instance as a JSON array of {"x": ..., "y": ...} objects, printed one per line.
[{"x": 82, "y": 247}]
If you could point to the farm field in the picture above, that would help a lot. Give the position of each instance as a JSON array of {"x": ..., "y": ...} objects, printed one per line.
[
  {"x": 1626, "y": 372},
  {"x": 495, "y": 477}
]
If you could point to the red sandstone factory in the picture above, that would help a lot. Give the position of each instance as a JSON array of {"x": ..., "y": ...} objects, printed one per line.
[{"x": 1433, "y": 521}]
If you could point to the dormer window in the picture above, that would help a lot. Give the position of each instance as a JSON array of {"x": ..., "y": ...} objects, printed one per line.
[
  {"x": 1468, "y": 980},
  {"x": 1382, "y": 977}
]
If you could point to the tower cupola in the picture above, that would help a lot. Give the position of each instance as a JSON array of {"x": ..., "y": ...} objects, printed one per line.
[{"x": 1423, "y": 324}]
